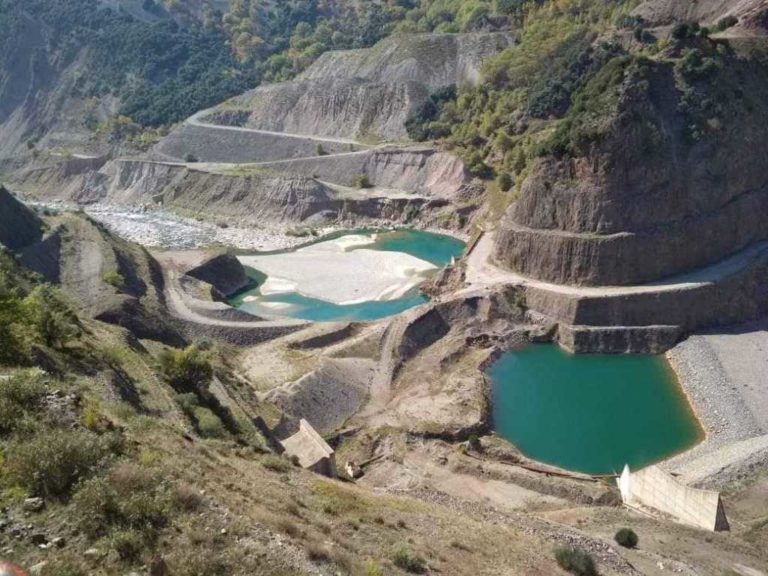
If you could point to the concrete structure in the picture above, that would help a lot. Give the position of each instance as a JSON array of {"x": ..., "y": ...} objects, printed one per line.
[
  {"x": 312, "y": 451},
  {"x": 654, "y": 488}
]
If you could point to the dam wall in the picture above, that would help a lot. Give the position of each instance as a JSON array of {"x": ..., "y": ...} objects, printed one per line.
[{"x": 653, "y": 487}]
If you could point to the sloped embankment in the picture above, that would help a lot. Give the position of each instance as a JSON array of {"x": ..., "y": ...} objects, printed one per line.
[{"x": 365, "y": 93}]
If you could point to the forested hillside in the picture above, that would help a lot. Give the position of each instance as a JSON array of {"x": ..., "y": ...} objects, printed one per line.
[{"x": 130, "y": 69}]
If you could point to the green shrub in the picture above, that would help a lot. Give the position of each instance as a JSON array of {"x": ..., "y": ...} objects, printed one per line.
[
  {"x": 187, "y": 370},
  {"x": 404, "y": 558},
  {"x": 362, "y": 181},
  {"x": 95, "y": 505},
  {"x": 726, "y": 22},
  {"x": 54, "y": 320},
  {"x": 504, "y": 181},
  {"x": 113, "y": 278},
  {"x": 129, "y": 498},
  {"x": 208, "y": 424},
  {"x": 20, "y": 397},
  {"x": 576, "y": 561},
  {"x": 685, "y": 30},
  {"x": 626, "y": 537},
  {"x": 276, "y": 463},
  {"x": 205, "y": 421},
  {"x": 190, "y": 158},
  {"x": 319, "y": 150},
  {"x": 694, "y": 65},
  {"x": 50, "y": 463},
  {"x": 128, "y": 544}
]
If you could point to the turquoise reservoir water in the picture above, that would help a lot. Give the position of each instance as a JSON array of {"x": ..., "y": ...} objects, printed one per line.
[
  {"x": 434, "y": 248},
  {"x": 590, "y": 413}
]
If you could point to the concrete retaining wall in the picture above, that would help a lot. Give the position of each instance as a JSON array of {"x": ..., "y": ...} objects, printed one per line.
[{"x": 655, "y": 488}]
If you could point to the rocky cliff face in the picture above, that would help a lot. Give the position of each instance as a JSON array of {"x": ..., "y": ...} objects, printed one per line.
[
  {"x": 675, "y": 181},
  {"x": 19, "y": 226},
  {"x": 365, "y": 93}
]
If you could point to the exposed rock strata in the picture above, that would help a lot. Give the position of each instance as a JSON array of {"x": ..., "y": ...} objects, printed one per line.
[
  {"x": 257, "y": 196},
  {"x": 224, "y": 272},
  {"x": 645, "y": 202}
]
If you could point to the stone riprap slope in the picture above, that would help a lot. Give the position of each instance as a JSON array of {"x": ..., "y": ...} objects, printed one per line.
[
  {"x": 649, "y": 200},
  {"x": 366, "y": 93}
]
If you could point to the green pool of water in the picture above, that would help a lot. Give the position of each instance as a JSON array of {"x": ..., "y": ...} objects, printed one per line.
[
  {"x": 434, "y": 248},
  {"x": 590, "y": 413},
  {"x": 437, "y": 249}
]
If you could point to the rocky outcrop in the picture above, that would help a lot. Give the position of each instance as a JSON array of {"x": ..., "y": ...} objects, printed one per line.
[
  {"x": 224, "y": 272},
  {"x": 647, "y": 199},
  {"x": 19, "y": 225}
]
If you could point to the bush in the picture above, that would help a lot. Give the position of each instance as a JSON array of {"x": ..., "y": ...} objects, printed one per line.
[
  {"x": 206, "y": 422},
  {"x": 128, "y": 544},
  {"x": 626, "y": 537},
  {"x": 362, "y": 181},
  {"x": 187, "y": 370},
  {"x": 129, "y": 498},
  {"x": 51, "y": 463},
  {"x": 319, "y": 150},
  {"x": 191, "y": 158},
  {"x": 504, "y": 180},
  {"x": 113, "y": 278},
  {"x": 576, "y": 561},
  {"x": 276, "y": 464},
  {"x": 695, "y": 66},
  {"x": 20, "y": 397},
  {"x": 53, "y": 319},
  {"x": 726, "y": 22},
  {"x": 405, "y": 559}
]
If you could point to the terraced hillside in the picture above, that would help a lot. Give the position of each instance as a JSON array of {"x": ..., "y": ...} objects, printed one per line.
[{"x": 653, "y": 173}]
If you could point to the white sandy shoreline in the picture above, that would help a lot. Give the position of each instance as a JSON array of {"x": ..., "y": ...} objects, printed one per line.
[{"x": 331, "y": 272}]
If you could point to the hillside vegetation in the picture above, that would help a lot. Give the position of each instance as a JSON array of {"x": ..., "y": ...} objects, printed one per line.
[{"x": 166, "y": 61}]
